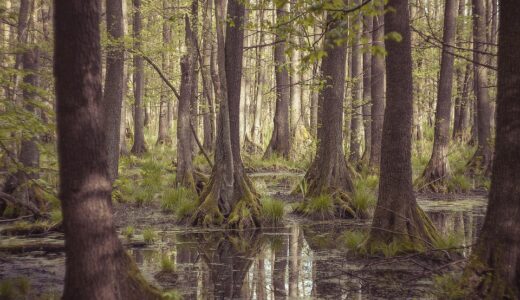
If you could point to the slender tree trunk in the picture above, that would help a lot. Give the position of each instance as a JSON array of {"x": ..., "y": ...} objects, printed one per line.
[
  {"x": 163, "y": 136},
  {"x": 280, "y": 141},
  {"x": 437, "y": 172},
  {"x": 397, "y": 216},
  {"x": 367, "y": 82},
  {"x": 184, "y": 133},
  {"x": 209, "y": 108},
  {"x": 357, "y": 92},
  {"x": 194, "y": 11},
  {"x": 114, "y": 82},
  {"x": 97, "y": 266},
  {"x": 328, "y": 173},
  {"x": 229, "y": 198},
  {"x": 294, "y": 79},
  {"x": 139, "y": 146},
  {"x": 256, "y": 134},
  {"x": 494, "y": 270},
  {"x": 377, "y": 90},
  {"x": 481, "y": 161}
]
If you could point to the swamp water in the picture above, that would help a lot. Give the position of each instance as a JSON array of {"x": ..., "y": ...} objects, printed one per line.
[{"x": 301, "y": 260}]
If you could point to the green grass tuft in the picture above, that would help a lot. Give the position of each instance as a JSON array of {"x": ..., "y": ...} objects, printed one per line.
[
  {"x": 149, "y": 235},
  {"x": 449, "y": 241},
  {"x": 181, "y": 202},
  {"x": 272, "y": 210},
  {"x": 353, "y": 239},
  {"x": 15, "y": 288},
  {"x": 447, "y": 286},
  {"x": 459, "y": 183},
  {"x": 364, "y": 196},
  {"x": 172, "y": 295},
  {"x": 167, "y": 264},
  {"x": 321, "y": 206},
  {"x": 128, "y": 232}
]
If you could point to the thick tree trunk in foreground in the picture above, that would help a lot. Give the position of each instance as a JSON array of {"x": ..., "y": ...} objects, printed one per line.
[
  {"x": 97, "y": 266},
  {"x": 328, "y": 173},
  {"x": 280, "y": 141},
  {"x": 377, "y": 89},
  {"x": 139, "y": 146},
  {"x": 397, "y": 217},
  {"x": 229, "y": 198},
  {"x": 494, "y": 269},
  {"x": 437, "y": 172},
  {"x": 114, "y": 82},
  {"x": 481, "y": 161}
]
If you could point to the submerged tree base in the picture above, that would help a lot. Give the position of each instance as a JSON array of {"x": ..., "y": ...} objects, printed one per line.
[
  {"x": 435, "y": 176},
  {"x": 412, "y": 229},
  {"x": 243, "y": 212}
]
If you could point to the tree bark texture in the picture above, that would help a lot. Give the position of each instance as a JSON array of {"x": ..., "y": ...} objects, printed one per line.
[
  {"x": 97, "y": 266},
  {"x": 397, "y": 216},
  {"x": 494, "y": 269},
  {"x": 139, "y": 146},
  {"x": 437, "y": 172},
  {"x": 280, "y": 140}
]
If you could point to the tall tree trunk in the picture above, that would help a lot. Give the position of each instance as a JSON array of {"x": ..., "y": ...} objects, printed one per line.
[
  {"x": 97, "y": 266},
  {"x": 377, "y": 89},
  {"x": 139, "y": 146},
  {"x": 114, "y": 82},
  {"x": 494, "y": 270},
  {"x": 437, "y": 172},
  {"x": 163, "y": 136},
  {"x": 481, "y": 161},
  {"x": 184, "y": 132},
  {"x": 357, "y": 92},
  {"x": 367, "y": 82},
  {"x": 192, "y": 50},
  {"x": 209, "y": 107},
  {"x": 328, "y": 173},
  {"x": 397, "y": 217},
  {"x": 294, "y": 79},
  {"x": 229, "y": 198},
  {"x": 280, "y": 142},
  {"x": 256, "y": 133}
]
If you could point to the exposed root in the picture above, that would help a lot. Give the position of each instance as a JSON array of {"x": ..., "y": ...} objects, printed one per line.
[
  {"x": 412, "y": 231},
  {"x": 243, "y": 212},
  {"x": 435, "y": 176}
]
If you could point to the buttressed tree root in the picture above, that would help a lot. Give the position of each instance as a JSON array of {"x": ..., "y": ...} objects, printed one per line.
[{"x": 237, "y": 207}]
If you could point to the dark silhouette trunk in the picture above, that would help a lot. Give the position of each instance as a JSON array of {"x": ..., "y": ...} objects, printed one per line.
[
  {"x": 163, "y": 136},
  {"x": 367, "y": 82},
  {"x": 494, "y": 270},
  {"x": 114, "y": 82},
  {"x": 328, "y": 173},
  {"x": 377, "y": 90},
  {"x": 437, "y": 172},
  {"x": 229, "y": 198},
  {"x": 357, "y": 92},
  {"x": 397, "y": 216},
  {"x": 139, "y": 146},
  {"x": 97, "y": 266},
  {"x": 280, "y": 139},
  {"x": 481, "y": 161}
]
